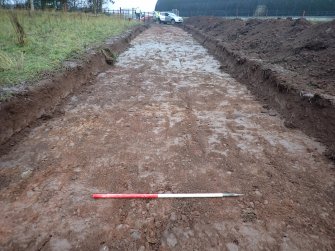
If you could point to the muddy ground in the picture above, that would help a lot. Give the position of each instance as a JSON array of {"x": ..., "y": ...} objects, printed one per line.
[{"x": 166, "y": 119}]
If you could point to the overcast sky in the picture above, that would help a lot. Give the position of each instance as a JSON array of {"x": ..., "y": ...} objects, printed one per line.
[{"x": 144, "y": 5}]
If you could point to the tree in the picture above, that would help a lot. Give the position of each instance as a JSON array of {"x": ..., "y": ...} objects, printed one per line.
[
  {"x": 32, "y": 5},
  {"x": 92, "y": 5},
  {"x": 96, "y": 5}
]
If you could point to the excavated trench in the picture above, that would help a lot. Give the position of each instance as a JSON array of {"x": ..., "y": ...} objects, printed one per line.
[{"x": 165, "y": 119}]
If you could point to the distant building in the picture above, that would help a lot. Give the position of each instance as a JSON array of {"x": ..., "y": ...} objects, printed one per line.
[{"x": 231, "y": 8}]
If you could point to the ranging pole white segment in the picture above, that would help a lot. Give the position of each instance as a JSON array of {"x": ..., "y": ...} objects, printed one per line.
[{"x": 197, "y": 195}]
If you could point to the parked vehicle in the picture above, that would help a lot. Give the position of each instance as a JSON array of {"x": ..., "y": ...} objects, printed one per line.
[{"x": 169, "y": 17}]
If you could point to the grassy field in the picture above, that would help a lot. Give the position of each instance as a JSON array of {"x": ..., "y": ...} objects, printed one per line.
[{"x": 50, "y": 39}]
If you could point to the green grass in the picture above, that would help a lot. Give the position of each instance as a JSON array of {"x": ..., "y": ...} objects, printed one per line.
[{"x": 51, "y": 37}]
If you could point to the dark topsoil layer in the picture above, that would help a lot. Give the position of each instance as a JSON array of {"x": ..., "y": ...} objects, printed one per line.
[
  {"x": 289, "y": 64},
  {"x": 297, "y": 45}
]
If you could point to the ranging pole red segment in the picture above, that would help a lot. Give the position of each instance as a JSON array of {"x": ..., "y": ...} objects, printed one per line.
[{"x": 124, "y": 196}]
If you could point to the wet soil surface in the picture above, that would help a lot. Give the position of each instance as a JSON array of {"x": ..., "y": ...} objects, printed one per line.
[
  {"x": 166, "y": 119},
  {"x": 304, "y": 49}
]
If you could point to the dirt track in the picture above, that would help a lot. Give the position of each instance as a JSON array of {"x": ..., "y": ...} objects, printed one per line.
[{"x": 166, "y": 119}]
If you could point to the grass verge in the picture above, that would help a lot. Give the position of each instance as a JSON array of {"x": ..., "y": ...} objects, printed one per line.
[{"x": 50, "y": 38}]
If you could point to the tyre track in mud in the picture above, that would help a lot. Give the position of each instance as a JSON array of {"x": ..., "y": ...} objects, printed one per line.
[{"x": 166, "y": 119}]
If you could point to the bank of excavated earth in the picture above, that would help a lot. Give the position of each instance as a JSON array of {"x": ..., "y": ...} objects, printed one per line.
[{"x": 289, "y": 63}]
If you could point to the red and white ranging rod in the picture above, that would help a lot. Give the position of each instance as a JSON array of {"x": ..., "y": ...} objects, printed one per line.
[{"x": 163, "y": 196}]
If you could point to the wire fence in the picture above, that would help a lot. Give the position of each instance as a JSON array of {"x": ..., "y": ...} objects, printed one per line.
[
  {"x": 130, "y": 14},
  {"x": 149, "y": 16}
]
